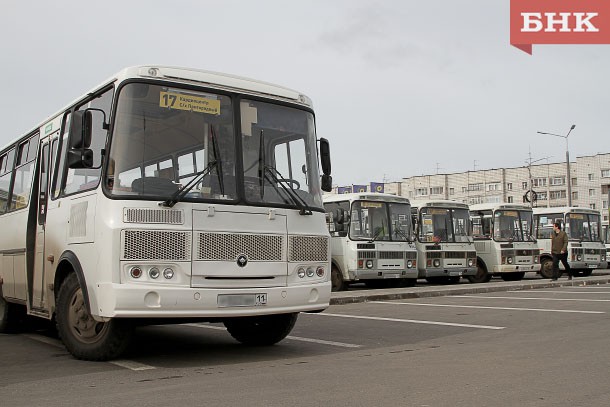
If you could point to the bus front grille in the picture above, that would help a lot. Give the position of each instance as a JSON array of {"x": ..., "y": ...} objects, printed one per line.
[
  {"x": 228, "y": 246},
  {"x": 156, "y": 245},
  {"x": 308, "y": 248},
  {"x": 166, "y": 216}
]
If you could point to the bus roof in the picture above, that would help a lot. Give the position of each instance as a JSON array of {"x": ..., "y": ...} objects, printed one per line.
[
  {"x": 566, "y": 209},
  {"x": 499, "y": 206},
  {"x": 201, "y": 77},
  {"x": 443, "y": 203},
  {"x": 373, "y": 196}
]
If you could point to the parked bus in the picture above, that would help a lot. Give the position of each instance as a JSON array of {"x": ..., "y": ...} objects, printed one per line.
[
  {"x": 445, "y": 247},
  {"x": 606, "y": 237},
  {"x": 371, "y": 240},
  {"x": 586, "y": 250},
  {"x": 161, "y": 195},
  {"x": 503, "y": 237}
]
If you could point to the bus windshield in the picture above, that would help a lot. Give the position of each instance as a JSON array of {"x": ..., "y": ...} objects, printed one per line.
[
  {"x": 380, "y": 221},
  {"x": 165, "y": 137},
  {"x": 444, "y": 225},
  {"x": 513, "y": 226},
  {"x": 583, "y": 227}
]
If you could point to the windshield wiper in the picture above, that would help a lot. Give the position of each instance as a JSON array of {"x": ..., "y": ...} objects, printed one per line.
[
  {"x": 376, "y": 235},
  {"x": 180, "y": 193},
  {"x": 304, "y": 209},
  {"x": 399, "y": 231}
]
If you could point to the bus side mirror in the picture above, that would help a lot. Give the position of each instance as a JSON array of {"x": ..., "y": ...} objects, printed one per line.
[
  {"x": 325, "y": 156},
  {"x": 79, "y": 139},
  {"x": 327, "y": 183}
]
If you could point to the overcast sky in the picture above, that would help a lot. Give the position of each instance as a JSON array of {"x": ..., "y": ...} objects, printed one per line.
[{"x": 400, "y": 88}]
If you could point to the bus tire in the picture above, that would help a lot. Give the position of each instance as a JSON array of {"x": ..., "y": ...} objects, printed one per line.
[
  {"x": 82, "y": 336},
  {"x": 264, "y": 330},
  {"x": 546, "y": 268},
  {"x": 482, "y": 276},
  {"x": 336, "y": 280}
]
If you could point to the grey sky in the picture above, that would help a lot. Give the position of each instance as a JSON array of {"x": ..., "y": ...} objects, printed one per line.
[{"x": 399, "y": 87}]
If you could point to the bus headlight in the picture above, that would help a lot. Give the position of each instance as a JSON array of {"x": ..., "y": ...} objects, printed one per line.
[
  {"x": 436, "y": 263},
  {"x": 470, "y": 263},
  {"x": 409, "y": 264},
  {"x": 135, "y": 272},
  {"x": 603, "y": 258},
  {"x": 310, "y": 272},
  {"x": 369, "y": 264},
  {"x": 509, "y": 260},
  {"x": 168, "y": 273},
  {"x": 154, "y": 273},
  {"x": 301, "y": 272},
  {"x": 578, "y": 257},
  {"x": 536, "y": 259},
  {"x": 320, "y": 271}
]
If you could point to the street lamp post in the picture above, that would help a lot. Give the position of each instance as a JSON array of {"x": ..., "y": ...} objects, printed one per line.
[{"x": 569, "y": 178}]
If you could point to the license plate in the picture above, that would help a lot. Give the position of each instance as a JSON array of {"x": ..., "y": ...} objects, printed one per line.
[
  {"x": 593, "y": 266},
  {"x": 455, "y": 273},
  {"x": 242, "y": 300},
  {"x": 391, "y": 276}
]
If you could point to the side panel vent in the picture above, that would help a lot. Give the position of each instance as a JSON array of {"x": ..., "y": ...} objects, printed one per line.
[
  {"x": 308, "y": 248},
  {"x": 165, "y": 216},
  {"x": 78, "y": 220},
  {"x": 156, "y": 245}
]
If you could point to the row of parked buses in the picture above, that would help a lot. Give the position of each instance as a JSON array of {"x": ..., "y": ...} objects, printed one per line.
[{"x": 387, "y": 241}]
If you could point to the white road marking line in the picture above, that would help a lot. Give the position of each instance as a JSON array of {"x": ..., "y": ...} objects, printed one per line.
[
  {"x": 294, "y": 338},
  {"x": 410, "y": 321},
  {"x": 131, "y": 365},
  {"x": 482, "y": 307},
  {"x": 128, "y": 364},
  {"x": 525, "y": 298}
]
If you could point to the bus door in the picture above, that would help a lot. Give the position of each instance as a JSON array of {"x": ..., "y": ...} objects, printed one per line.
[{"x": 38, "y": 297}]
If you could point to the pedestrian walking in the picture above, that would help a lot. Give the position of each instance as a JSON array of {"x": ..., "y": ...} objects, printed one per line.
[{"x": 559, "y": 250}]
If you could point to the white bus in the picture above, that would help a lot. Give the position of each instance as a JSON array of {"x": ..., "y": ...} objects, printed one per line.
[
  {"x": 161, "y": 195},
  {"x": 586, "y": 250},
  {"x": 371, "y": 240},
  {"x": 503, "y": 238},
  {"x": 445, "y": 247},
  {"x": 606, "y": 237}
]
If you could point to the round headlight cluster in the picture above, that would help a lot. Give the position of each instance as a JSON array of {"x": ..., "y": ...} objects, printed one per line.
[
  {"x": 153, "y": 272},
  {"x": 603, "y": 258},
  {"x": 369, "y": 264},
  {"x": 536, "y": 259},
  {"x": 470, "y": 263},
  {"x": 311, "y": 271},
  {"x": 436, "y": 263},
  {"x": 409, "y": 263},
  {"x": 509, "y": 260},
  {"x": 579, "y": 257}
]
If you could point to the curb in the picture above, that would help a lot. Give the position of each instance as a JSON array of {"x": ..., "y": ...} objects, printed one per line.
[{"x": 345, "y": 297}]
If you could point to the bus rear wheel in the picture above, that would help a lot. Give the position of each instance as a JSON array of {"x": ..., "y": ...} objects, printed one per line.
[
  {"x": 262, "y": 330},
  {"x": 84, "y": 337},
  {"x": 546, "y": 268}
]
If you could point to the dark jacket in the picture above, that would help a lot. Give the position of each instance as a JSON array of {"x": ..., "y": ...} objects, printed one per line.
[{"x": 559, "y": 242}]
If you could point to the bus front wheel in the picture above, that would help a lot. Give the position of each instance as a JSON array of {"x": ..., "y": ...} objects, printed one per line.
[
  {"x": 262, "y": 330},
  {"x": 84, "y": 337},
  {"x": 336, "y": 280},
  {"x": 546, "y": 268},
  {"x": 482, "y": 276}
]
